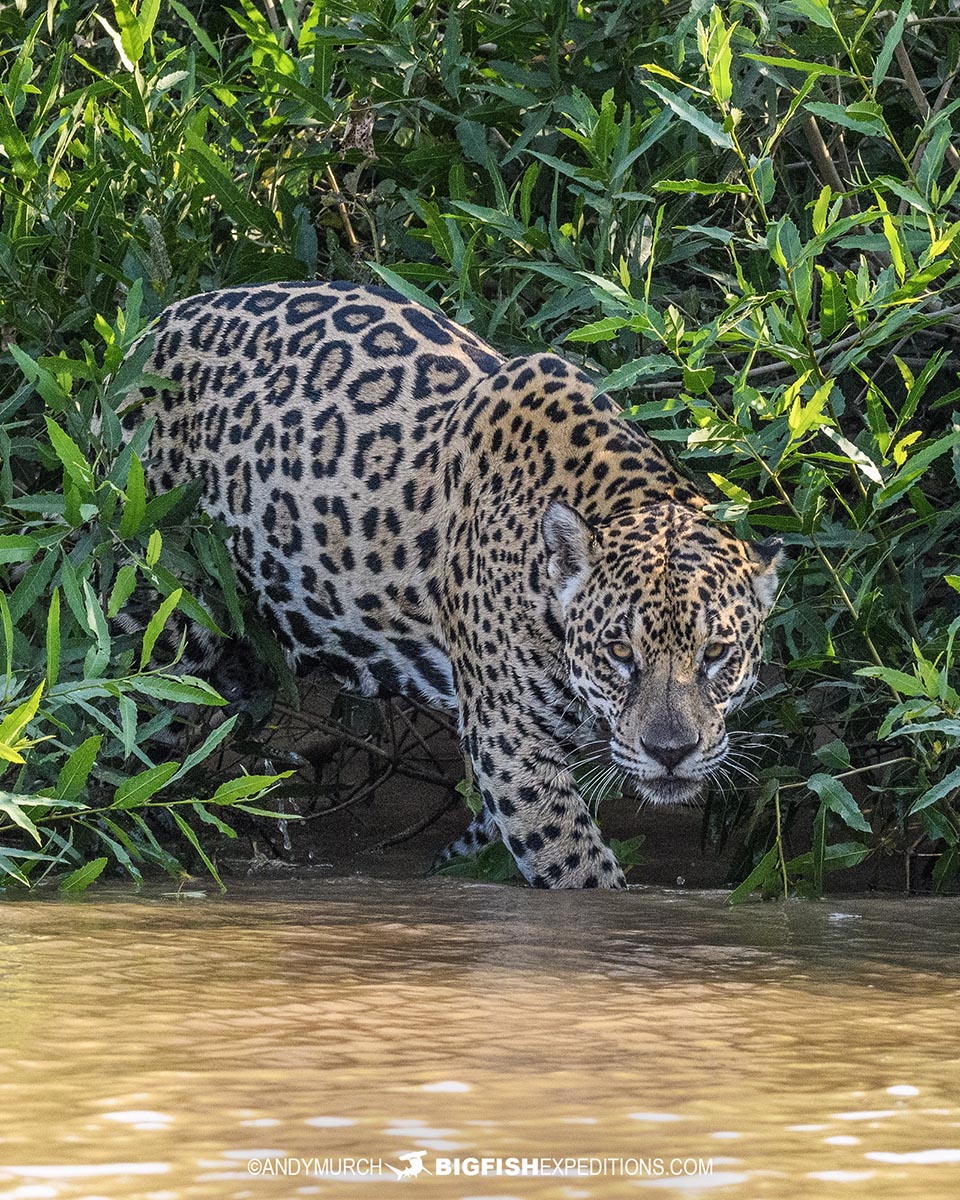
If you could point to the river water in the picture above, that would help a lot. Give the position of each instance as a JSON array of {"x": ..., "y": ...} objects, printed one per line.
[{"x": 656, "y": 1042}]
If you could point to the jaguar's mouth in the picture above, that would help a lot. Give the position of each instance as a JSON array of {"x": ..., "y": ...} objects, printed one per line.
[
  {"x": 665, "y": 788},
  {"x": 668, "y": 789}
]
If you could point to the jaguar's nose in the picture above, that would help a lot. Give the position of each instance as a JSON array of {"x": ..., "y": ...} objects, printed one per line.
[{"x": 669, "y": 754}]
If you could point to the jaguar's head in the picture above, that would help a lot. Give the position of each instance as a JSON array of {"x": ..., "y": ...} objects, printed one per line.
[{"x": 663, "y": 614}]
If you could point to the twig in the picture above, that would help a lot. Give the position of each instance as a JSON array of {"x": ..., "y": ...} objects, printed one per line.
[
  {"x": 789, "y": 787},
  {"x": 818, "y": 148},
  {"x": 418, "y": 827},
  {"x": 919, "y": 99},
  {"x": 354, "y": 797},
  {"x": 342, "y": 208},
  {"x": 777, "y": 367},
  {"x": 437, "y": 717},
  {"x": 272, "y": 15}
]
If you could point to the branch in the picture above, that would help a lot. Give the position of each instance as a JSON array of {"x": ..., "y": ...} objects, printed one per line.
[{"x": 830, "y": 174}]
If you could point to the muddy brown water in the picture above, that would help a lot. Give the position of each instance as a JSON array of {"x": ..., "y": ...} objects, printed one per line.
[{"x": 247, "y": 1046}]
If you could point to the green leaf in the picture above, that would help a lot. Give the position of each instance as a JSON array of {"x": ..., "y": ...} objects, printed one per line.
[
  {"x": 692, "y": 116},
  {"x": 598, "y": 331},
  {"x": 834, "y": 755},
  {"x": 818, "y": 11},
  {"x": 128, "y": 724},
  {"x": 96, "y": 622},
  {"x": 76, "y": 770},
  {"x": 945, "y": 871},
  {"x": 181, "y": 689},
  {"x": 69, "y": 454},
  {"x": 147, "y": 15},
  {"x": 6, "y": 624},
  {"x": 53, "y": 639},
  {"x": 714, "y": 44},
  {"x": 798, "y": 64},
  {"x": 32, "y": 586},
  {"x": 494, "y": 864},
  {"x": 210, "y": 743},
  {"x": 10, "y": 806},
  {"x": 210, "y": 818},
  {"x": 914, "y": 468},
  {"x": 123, "y": 589},
  {"x": 907, "y": 685},
  {"x": 155, "y": 627},
  {"x": 628, "y": 851},
  {"x": 166, "y": 584},
  {"x": 120, "y": 844},
  {"x": 698, "y": 187},
  {"x": 764, "y": 870},
  {"x": 42, "y": 380},
  {"x": 890, "y": 43},
  {"x": 135, "y": 792},
  {"x": 892, "y": 235},
  {"x": 629, "y": 373},
  {"x": 16, "y": 722},
  {"x": 405, "y": 287},
  {"x": 838, "y": 800},
  {"x": 131, "y": 36},
  {"x": 939, "y": 791},
  {"x": 198, "y": 32},
  {"x": 731, "y": 490},
  {"x": 857, "y": 118},
  {"x": 11, "y": 869},
  {"x": 699, "y": 380},
  {"x": 17, "y": 548},
  {"x": 15, "y": 144},
  {"x": 154, "y": 547},
  {"x": 228, "y": 582},
  {"x": 834, "y": 312},
  {"x": 80, "y": 879},
  {"x": 136, "y": 502},
  {"x": 245, "y": 213},
  {"x": 471, "y": 797},
  {"x": 818, "y": 852},
  {"x": 837, "y": 857},
  {"x": 244, "y": 787},
  {"x": 195, "y": 843},
  {"x": 821, "y": 209},
  {"x": 907, "y": 194},
  {"x": 864, "y": 464}
]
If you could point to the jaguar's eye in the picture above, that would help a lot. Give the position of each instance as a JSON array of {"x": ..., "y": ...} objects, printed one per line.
[
  {"x": 621, "y": 652},
  {"x": 714, "y": 651}
]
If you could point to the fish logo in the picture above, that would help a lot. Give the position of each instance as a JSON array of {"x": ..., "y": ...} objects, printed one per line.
[{"x": 414, "y": 1168}]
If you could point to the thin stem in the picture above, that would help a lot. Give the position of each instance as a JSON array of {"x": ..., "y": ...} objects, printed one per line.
[
  {"x": 890, "y": 762},
  {"x": 780, "y": 857}
]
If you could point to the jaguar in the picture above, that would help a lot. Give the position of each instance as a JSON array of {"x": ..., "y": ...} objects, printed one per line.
[{"x": 419, "y": 515}]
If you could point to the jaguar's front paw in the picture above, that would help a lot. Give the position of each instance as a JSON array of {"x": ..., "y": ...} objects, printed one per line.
[{"x": 592, "y": 867}]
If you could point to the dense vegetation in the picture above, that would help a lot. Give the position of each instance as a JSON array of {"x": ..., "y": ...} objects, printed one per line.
[{"x": 743, "y": 218}]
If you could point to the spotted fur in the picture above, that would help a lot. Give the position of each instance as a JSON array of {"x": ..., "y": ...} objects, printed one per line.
[{"x": 421, "y": 517}]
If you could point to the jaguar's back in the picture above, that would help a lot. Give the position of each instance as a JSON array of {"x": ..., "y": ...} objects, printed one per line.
[{"x": 313, "y": 414}]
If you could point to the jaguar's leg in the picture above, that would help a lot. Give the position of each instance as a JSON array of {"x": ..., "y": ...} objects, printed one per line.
[
  {"x": 529, "y": 792},
  {"x": 481, "y": 831}
]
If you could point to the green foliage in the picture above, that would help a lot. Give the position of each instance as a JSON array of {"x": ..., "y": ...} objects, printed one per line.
[
  {"x": 76, "y": 747},
  {"x": 743, "y": 218}
]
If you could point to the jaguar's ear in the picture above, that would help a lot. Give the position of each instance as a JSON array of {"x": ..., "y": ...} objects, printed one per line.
[
  {"x": 767, "y": 557},
  {"x": 567, "y": 537}
]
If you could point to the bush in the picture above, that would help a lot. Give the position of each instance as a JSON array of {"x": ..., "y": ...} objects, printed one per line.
[
  {"x": 742, "y": 217},
  {"x": 80, "y": 742}
]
